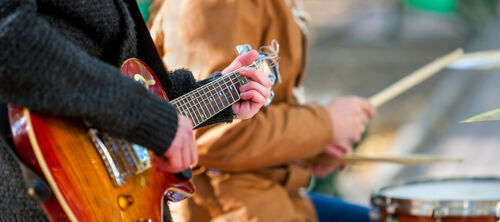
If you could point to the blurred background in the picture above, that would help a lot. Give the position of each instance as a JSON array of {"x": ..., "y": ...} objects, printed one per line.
[{"x": 359, "y": 47}]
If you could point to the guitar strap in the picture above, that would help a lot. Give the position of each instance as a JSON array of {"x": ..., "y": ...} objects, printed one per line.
[
  {"x": 4, "y": 121},
  {"x": 146, "y": 48}
]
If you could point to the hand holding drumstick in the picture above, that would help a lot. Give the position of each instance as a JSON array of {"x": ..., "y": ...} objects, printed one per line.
[
  {"x": 355, "y": 112},
  {"x": 349, "y": 116}
]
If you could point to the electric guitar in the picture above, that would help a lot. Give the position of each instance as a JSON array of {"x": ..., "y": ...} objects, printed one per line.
[{"x": 93, "y": 176}]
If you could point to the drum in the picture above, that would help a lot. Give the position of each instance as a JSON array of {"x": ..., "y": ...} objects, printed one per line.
[{"x": 439, "y": 200}]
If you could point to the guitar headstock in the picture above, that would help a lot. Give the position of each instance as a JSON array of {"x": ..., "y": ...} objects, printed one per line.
[{"x": 267, "y": 63}]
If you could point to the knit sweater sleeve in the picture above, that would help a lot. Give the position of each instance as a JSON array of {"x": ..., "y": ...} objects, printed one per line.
[{"x": 43, "y": 71}]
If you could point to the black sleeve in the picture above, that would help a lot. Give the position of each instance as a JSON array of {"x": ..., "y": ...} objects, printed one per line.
[
  {"x": 43, "y": 71},
  {"x": 183, "y": 82}
]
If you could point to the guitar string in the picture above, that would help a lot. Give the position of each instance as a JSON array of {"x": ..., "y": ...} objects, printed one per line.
[
  {"x": 178, "y": 102},
  {"x": 182, "y": 102},
  {"x": 191, "y": 107},
  {"x": 230, "y": 75},
  {"x": 220, "y": 103}
]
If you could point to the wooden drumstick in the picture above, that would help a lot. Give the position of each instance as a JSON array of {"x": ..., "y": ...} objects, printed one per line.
[
  {"x": 406, "y": 160},
  {"x": 391, "y": 92},
  {"x": 415, "y": 78}
]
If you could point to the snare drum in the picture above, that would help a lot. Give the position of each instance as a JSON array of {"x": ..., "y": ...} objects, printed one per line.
[{"x": 446, "y": 200}]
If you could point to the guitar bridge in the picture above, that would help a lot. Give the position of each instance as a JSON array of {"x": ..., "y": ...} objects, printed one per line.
[{"x": 120, "y": 157}]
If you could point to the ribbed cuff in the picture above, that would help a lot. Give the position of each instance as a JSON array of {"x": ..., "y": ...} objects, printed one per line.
[
  {"x": 158, "y": 127},
  {"x": 211, "y": 78}
]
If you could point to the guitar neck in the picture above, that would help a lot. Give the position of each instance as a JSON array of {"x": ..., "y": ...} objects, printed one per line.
[{"x": 205, "y": 102}]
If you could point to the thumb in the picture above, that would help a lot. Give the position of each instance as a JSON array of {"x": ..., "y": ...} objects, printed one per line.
[{"x": 241, "y": 60}]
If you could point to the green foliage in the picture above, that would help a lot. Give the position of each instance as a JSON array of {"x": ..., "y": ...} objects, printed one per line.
[
  {"x": 440, "y": 6},
  {"x": 144, "y": 7}
]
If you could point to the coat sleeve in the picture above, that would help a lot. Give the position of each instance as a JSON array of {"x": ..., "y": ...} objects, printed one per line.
[
  {"x": 278, "y": 134},
  {"x": 42, "y": 70}
]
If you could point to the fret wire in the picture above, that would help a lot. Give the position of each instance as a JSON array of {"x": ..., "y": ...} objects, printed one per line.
[
  {"x": 233, "y": 73},
  {"x": 235, "y": 89},
  {"x": 190, "y": 110},
  {"x": 183, "y": 97},
  {"x": 221, "y": 95},
  {"x": 196, "y": 111},
  {"x": 203, "y": 108},
  {"x": 189, "y": 107},
  {"x": 185, "y": 106},
  {"x": 194, "y": 98},
  {"x": 212, "y": 98},
  {"x": 222, "y": 91},
  {"x": 184, "y": 112},
  {"x": 198, "y": 104},
  {"x": 177, "y": 103},
  {"x": 182, "y": 107},
  {"x": 201, "y": 104},
  {"x": 195, "y": 104},
  {"x": 181, "y": 103},
  {"x": 232, "y": 89},
  {"x": 229, "y": 90},
  {"x": 217, "y": 97},
  {"x": 206, "y": 104},
  {"x": 209, "y": 106}
]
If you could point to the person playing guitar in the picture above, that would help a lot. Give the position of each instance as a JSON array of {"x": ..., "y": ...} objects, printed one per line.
[{"x": 61, "y": 58}]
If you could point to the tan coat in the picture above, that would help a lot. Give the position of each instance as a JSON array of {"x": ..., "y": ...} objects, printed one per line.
[{"x": 250, "y": 170}]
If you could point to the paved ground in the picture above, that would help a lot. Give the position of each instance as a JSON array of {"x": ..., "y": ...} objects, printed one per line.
[{"x": 374, "y": 45}]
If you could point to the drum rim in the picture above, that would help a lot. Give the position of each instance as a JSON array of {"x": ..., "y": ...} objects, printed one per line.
[{"x": 429, "y": 208}]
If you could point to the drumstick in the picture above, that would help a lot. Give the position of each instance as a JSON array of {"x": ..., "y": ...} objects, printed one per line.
[
  {"x": 415, "y": 78},
  {"x": 406, "y": 160}
]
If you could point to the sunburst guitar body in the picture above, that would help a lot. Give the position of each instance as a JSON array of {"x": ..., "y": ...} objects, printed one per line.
[{"x": 93, "y": 176}]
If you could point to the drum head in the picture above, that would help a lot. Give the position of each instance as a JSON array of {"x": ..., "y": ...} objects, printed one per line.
[
  {"x": 453, "y": 196},
  {"x": 454, "y": 190}
]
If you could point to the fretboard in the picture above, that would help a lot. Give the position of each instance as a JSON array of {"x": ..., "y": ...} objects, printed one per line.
[{"x": 205, "y": 102}]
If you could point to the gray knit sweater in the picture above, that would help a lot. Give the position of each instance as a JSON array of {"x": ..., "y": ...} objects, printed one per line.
[{"x": 62, "y": 58}]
